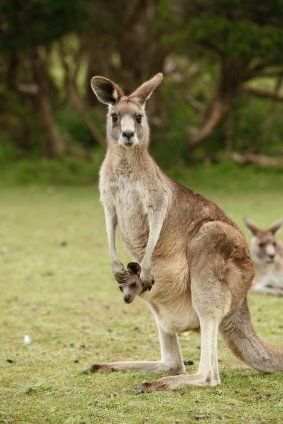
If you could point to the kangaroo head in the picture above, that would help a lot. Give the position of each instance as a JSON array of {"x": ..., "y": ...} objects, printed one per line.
[
  {"x": 264, "y": 245},
  {"x": 127, "y": 125}
]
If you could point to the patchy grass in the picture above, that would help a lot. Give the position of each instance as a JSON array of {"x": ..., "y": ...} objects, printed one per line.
[{"x": 56, "y": 286}]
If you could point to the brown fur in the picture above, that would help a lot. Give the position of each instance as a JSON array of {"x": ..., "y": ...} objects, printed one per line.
[{"x": 198, "y": 257}]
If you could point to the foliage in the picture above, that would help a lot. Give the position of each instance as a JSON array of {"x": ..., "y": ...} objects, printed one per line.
[
  {"x": 258, "y": 123},
  {"x": 213, "y": 54},
  {"x": 237, "y": 29},
  {"x": 28, "y": 24}
]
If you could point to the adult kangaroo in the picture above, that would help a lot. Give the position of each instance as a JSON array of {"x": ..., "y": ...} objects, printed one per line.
[{"x": 196, "y": 256}]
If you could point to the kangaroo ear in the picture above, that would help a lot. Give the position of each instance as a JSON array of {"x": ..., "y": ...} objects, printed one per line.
[
  {"x": 275, "y": 227},
  {"x": 105, "y": 90},
  {"x": 144, "y": 91},
  {"x": 252, "y": 226}
]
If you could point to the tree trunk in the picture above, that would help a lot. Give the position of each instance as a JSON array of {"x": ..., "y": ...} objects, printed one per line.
[
  {"x": 231, "y": 77},
  {"x": 261, "y": 160},
  {"x": 263, "y": 93},
  {"x": 98, "y": 63},
  {"x": 146, "y": 56},
  {"x": 54, "y": 144},
  {"x": 214, "y": 115},
  {"x": 228, "y": 129},
  {"x": 74, "y": 98},
  {"x": 79, "y": 106}
]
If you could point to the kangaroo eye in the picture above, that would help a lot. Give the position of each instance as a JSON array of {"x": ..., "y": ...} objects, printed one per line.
[
  {"x": 261, "y": 245},
  {"x": 114, "y": 117},
  {"x": 274, "y": 244},
  {"x": 138, "y": 119}
]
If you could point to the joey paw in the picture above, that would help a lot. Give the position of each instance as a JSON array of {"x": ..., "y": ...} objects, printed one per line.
[
  {"x": 121, "y": 276},
  {"x": 117, "y": 267},
  {"x": 147, "y": 282}
]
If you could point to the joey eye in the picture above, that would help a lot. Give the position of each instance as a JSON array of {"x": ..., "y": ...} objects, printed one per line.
[
  {"x": 114, "y": 117},
  {"x": 274, "y": 244},
  {"x": 138, "y": 119},
  {"x": 261, "y": 245}
]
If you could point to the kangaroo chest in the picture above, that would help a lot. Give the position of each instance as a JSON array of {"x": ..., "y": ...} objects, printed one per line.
[{"x": 129, "y": 199}]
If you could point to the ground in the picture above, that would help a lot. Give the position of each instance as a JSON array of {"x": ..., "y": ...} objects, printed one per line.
[{"x": 56, "y": 287}]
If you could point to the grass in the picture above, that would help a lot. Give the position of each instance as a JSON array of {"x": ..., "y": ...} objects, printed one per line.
[{"x": 56, "y": 286}]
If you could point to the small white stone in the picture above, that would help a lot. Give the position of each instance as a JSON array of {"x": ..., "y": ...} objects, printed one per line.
[{"x": 27, "y": 340}]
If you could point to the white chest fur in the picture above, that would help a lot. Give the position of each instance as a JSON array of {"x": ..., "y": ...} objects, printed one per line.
[{"x": 130, "y": 201}]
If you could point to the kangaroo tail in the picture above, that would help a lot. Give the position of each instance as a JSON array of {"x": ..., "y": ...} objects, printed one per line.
[{"x": 241, "y": 338}]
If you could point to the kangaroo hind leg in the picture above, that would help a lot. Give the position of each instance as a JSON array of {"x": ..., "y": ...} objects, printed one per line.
[
  {"x": 171, "y": 361},
  {"x": 211, "y": 300}
]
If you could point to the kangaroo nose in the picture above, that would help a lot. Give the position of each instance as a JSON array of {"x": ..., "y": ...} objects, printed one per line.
[
  {"x": 271, "y": 256},
  {"x": 128, "y": 134}
]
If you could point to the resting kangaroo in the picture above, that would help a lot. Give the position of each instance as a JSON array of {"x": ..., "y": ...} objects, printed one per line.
[
  {"x": 267, "y": 255},
  {"x": 196, "y": 256}
]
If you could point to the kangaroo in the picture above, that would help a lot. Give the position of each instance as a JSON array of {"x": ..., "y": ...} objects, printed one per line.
[
  {"x": 267, "y": 255},
  {"x": 196, "y": 256}
]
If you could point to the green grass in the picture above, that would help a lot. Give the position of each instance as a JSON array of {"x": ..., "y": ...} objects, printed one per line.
[{"x": 56, "y": 286}]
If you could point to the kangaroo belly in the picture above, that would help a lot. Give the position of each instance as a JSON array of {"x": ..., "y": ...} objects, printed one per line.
[
  {"x": 170, "y": 298},
  {"x": 178, "y": 320},
  {"x": 176, "y": 317}
]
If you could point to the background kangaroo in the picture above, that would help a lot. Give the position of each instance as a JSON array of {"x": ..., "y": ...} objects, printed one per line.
[
  {"x": 196, "y": 255},
  {"x": 267, "y": 255}
]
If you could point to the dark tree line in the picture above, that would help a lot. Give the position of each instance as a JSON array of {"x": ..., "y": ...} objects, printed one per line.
[{"x": 215, "y": 53}]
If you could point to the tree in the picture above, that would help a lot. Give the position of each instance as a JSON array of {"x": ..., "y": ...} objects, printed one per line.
[
  {"x": 124, "y": 41},
  {"x": 245, "y": 40},
  {"x": 26, "y": 27}
]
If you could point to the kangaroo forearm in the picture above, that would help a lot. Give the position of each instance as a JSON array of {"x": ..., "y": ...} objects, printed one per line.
[
  {"x": 111, "y": 226},
  {"x": 155, "y": 226}
]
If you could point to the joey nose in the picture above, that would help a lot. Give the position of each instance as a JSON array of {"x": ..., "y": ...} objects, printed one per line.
[
  {"x": 128, "y": 134},
  {"x": 128, "y": 298},
  {"x": 271, "y": 257}
]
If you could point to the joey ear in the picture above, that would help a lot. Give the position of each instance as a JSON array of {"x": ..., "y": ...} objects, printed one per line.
[
  {"x": 144, "y": 91},
  {"x": 252, "y": 226},
  {"x": 105, "y": 90},
  {"x": 275, "y": 227},
  {"x": 134, "y": 268}
]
